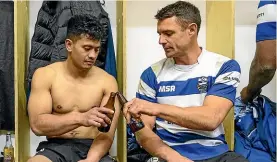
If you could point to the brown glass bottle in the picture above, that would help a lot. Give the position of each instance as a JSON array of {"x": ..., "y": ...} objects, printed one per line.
[
  {"x": 109, "y": 105},
  {"x": 135, "y": 124}
]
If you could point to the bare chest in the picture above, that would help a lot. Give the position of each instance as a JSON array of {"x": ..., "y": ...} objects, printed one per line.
[{"x": 71, "y": 96}]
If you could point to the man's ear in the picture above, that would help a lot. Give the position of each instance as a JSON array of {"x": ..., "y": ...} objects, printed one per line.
[
  {"x": 68, "y": 45},
  {"x": 192, "y": 29}
]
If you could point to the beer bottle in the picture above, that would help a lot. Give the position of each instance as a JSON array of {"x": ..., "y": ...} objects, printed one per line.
[
  {"x": 135, "y": 124},
  {"x": 8, "y": 149},
  {"x": 109, "y": 105}
]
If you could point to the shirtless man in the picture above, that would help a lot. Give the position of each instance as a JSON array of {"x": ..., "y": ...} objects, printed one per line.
[{"x": 67, "y": 98}]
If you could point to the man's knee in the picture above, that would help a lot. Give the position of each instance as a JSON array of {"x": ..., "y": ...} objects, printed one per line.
[
  {"x": 155, "y": 159},
  {"x": 39, "y": 158},
  {"x": 233, "y": 156},
  {"x": 108, "y": 158}
]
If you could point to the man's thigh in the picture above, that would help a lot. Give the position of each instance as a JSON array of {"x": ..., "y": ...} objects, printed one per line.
[
  {"x": 59, "y": 154},
  {"x": 39, "y": 158},
  {"x": 229, "y": 156}
]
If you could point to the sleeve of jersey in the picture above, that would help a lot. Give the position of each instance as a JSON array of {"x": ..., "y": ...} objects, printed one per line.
[
  {"x": 146, "y": 88},
  {"x": 226, "y": 81},
  {"x": 266, "y": 21}
]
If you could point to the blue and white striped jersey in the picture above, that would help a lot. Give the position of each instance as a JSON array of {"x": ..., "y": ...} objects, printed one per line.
[
  {"x": 266, "y": 20},
  {"x": 185, "y": 86}
]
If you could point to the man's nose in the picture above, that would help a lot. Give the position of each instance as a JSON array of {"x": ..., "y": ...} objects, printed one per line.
[
  {"x": 92, "y": 54},
  {"x": 162, "y": 40}
]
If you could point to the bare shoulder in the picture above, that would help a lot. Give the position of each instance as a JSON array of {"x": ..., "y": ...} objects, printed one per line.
[
  {"x": 45, "y": 75},
  {"x": 105, "y": 77}
]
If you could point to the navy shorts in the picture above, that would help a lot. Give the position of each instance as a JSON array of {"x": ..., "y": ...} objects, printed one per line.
[
  {"x": 229, "y": 156},
  {"x": 67, "y": 150}
]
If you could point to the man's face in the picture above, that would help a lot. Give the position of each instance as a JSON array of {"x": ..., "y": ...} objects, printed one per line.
[
  {"x": 174, "y": 39},
  {"x": 83, "y": 51}
]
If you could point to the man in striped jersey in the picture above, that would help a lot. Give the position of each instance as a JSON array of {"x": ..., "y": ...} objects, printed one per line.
[
  {"x": 263, "y": 66},
  {"x": 186, "y": 96}
]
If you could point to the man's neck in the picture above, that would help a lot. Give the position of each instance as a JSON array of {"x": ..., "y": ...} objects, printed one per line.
[
  {"x": 190, "y": 57},
  {"x": 74, "y": 71}
]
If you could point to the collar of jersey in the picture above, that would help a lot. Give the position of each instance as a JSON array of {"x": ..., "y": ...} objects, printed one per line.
[{"x": 187, "y": 68}]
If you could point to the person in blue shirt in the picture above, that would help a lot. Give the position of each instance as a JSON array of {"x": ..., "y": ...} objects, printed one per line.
[
  {"x": 263, "y": 66},
  {"x": 185, "y": 96}
]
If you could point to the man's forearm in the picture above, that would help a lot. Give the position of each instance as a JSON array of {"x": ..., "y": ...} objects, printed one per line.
[
  {"x": 100, "y": 147},
  {"x": 55, "y": 125},
  {"x": 260, "y": 75},
  {"x": 263, "y": 66},
  {"x": 103, "y": 142},
  {"x": 198, "y": 118},
  {"x": 154, "y": 145}
]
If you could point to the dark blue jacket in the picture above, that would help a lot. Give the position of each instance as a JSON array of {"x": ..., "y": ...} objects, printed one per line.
[{"x": 255, "y": 129}]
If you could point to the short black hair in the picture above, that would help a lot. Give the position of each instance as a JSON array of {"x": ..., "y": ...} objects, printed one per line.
[
  {"x": 184, "y": 11},
  {"x": 86, "y": 25}
]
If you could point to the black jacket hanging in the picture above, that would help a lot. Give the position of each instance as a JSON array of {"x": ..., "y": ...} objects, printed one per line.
[
  {"x": 7, "y": 65},
  {"x": 47, "y": 44}
]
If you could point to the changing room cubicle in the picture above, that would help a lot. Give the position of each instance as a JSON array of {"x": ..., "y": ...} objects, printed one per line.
[{"x": 223, "y": 30}]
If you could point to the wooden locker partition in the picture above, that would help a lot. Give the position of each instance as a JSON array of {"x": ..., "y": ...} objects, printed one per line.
[
  {"x": 121, "y": 76},
  {"x": 21, "y": 32},
  {"x": 220, "y": 39}
]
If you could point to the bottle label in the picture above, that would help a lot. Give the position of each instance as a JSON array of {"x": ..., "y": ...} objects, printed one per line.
[
  {"x": 136, "y": 125},
  {"x": 8, "y": 154}
]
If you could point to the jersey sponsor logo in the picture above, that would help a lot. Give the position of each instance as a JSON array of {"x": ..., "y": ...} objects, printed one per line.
[
  {"x": 260, "y": 15},
  {"x": 202, "y": 84},
  {"x": 167, "y": 88},
  {"x": 231, "y": 78},
  {"x": 266, "y": 13}
]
